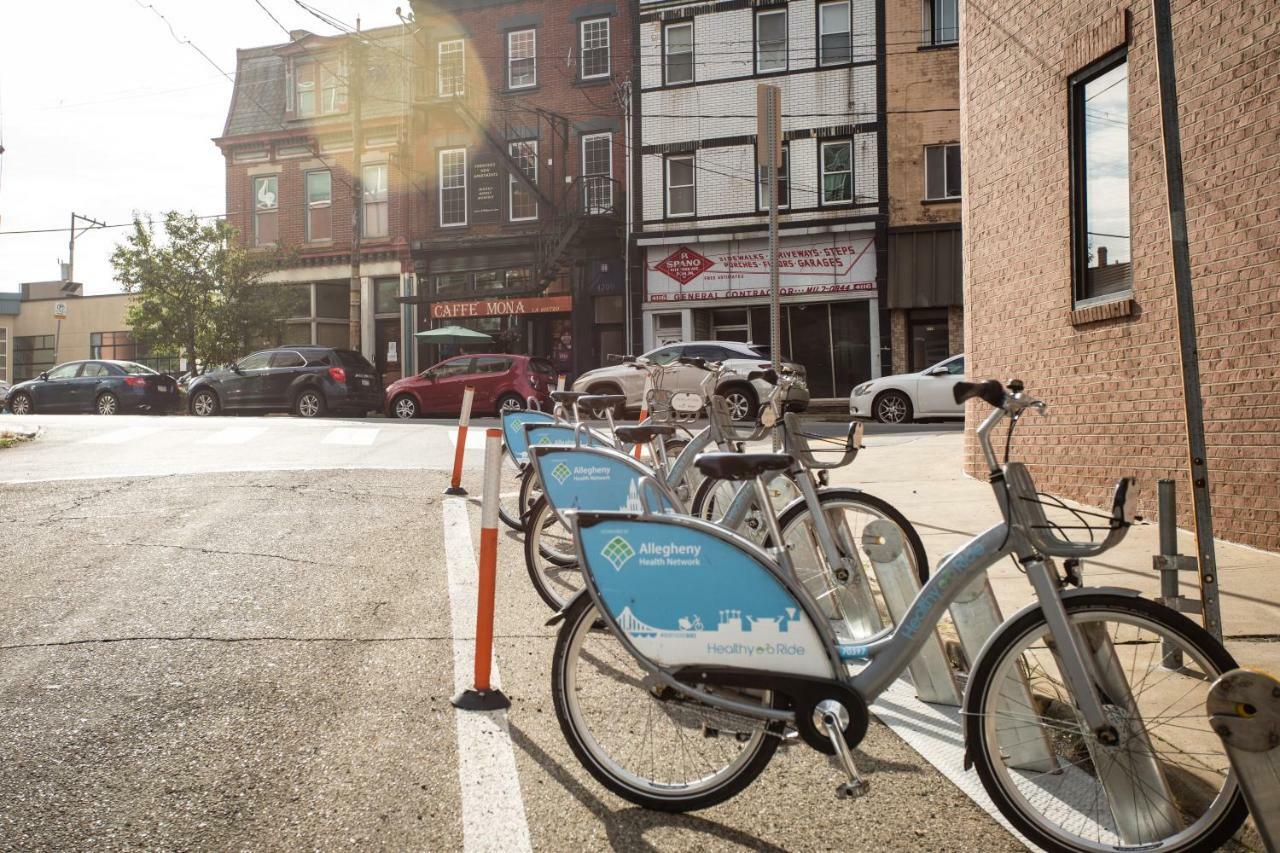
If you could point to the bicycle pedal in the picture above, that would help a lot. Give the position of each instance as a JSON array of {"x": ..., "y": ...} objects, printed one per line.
[{"x": 853, "y": 790}]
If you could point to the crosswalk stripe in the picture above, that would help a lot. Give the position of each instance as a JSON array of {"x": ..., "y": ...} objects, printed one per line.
[
  {"x": 475, "y": 438},
  {"x": 358, "y": 437},
  {"x": 233, "y": 435},
  {"x": 121, "y": 436}
]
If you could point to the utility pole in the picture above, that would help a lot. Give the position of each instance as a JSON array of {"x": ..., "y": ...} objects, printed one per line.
[
  {"x": 1193, "y": 404},
  {"x": 769, "y": 154},
  {"x": 355, "y": 98},
  {"x": 71, "y": 251}
]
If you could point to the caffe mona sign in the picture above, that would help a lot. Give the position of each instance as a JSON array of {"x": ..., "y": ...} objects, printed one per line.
[{"x": 501, "y": 307}]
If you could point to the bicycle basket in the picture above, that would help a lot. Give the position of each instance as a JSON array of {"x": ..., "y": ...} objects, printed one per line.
[
  {"x": 1055, "y": 528},
  {"x": 817, "y": 452},
  {"x": 660, "y": 403}
]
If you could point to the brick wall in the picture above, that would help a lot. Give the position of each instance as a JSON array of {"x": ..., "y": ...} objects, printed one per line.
[{"x": 1113, "y": 384}]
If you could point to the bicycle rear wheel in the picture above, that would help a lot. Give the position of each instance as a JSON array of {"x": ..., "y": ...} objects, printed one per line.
[
  {"x": 1166, "y": 786},
  {"x": 648, "y": 744}
]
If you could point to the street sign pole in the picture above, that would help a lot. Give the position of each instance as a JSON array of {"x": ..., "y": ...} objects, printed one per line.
[
  {"x": 1192, "y": 403},
  {"x": 59, "y": 314},
  {"x": 769, "y": 154}
]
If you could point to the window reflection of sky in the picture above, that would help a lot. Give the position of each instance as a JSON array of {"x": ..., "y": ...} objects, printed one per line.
[{"x": 1106, "y": 164}]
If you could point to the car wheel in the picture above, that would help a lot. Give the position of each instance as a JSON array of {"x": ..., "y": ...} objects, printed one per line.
[
  {"x": 204, "y": 404},
  {"x": 509, "y": 403},
  {"x": 892, "y": 407},
  {"x": 309, "y": 403},
  {"x": 404, "y": 407},
  {"x": 20, "y": 404},
  {"x": 741, "y": 400},
  {"x": 107, "y": 404}
]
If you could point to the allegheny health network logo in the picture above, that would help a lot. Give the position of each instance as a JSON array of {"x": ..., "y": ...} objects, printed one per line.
[
  {"x": 561, "y": 473},
  {"x": 516, "y": 423},
  {"x": 617, "y": 551},
  {"x": 546, "y": 439}
]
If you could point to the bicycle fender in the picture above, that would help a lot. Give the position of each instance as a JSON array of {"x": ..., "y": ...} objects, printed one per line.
[{"x": 559, "y": 617}]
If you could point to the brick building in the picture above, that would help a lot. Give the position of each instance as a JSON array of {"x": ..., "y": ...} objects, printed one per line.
[
  {"x": 922, "y": 79},
  {"x": 1068, "y": 280},
  {"x": 290, "y": 161},
  {"x": 702, "y": 226},
  {"x": 519, "y": 137}
]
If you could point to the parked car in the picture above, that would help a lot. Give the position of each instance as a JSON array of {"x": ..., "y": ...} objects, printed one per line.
[
  {"x": 104, "y": 387},
  {"x": 908, "y": 396},
  {"x": 4, "y": 395},
  {"x": 502, "y": 383},
  {"x": 309, "y": 381},
  {"x": 743, "y": 395}
]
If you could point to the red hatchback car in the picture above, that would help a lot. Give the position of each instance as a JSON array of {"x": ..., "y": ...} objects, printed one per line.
[{"x": 502, "y": 383}]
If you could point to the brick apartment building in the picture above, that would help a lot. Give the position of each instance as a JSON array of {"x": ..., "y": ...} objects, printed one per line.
[
  {"x": 1068, "y": 280},
  {"x": 703, "y": 225},
  {"x": 290, "y": 161},
  {"x": 519, "y": 137},
  {"x": 922, "y": 74}
]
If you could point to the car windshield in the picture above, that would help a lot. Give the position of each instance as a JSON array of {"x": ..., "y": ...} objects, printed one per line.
[{"x": 135, "y": 369}]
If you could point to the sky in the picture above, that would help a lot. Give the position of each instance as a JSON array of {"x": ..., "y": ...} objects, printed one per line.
[{"x": 104, "y": 113}]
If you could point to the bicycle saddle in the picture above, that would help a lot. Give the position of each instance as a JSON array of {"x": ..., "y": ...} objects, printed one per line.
[
  {"x": 741, "y": 466},
  {"x": 643, "y": 434},
  {"x": 567, "y": 397},
  {"x": 602, "y": 401}
]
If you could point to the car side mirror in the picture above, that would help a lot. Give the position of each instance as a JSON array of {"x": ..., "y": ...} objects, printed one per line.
[
  {"x": 45, "y": 376},
  {"x": 428, "y": 375},
  {"x": 938, "y": 371}
]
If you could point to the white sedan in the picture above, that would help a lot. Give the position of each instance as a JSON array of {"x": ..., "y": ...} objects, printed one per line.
[{"x": 907, "y": 396}]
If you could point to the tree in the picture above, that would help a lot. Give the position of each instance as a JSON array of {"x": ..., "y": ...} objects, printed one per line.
[{"x": 198, "y": 291}]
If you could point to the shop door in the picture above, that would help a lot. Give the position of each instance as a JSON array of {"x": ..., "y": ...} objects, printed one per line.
[
  {"x": 811, "y": 346},
  {"x": 387, "y": 349},
  {"x": 851, "y": 345}
]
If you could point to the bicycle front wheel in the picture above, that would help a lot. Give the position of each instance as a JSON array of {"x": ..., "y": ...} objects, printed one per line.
[
  {"x": 1167, "y": 785},
  {"x": 550, "y": 556},
  {"x": 649, "y": 744}
]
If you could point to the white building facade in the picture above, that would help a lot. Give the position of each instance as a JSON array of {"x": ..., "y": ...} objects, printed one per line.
[{"x": 702, "y": 226}]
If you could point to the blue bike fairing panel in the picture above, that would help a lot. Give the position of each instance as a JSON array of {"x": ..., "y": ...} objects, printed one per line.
[
  {"x": 561, "y": 435},
  {"x": 686, "y": 597},
  {"x": 585, "y": 478},
  {"x": 513, "y": 432}
]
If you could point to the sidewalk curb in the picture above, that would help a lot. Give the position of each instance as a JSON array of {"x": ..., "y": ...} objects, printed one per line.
[{"x": 21, "y": 432}]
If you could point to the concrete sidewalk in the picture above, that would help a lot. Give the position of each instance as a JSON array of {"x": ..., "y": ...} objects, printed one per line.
[{"x": 922, "y": 475}]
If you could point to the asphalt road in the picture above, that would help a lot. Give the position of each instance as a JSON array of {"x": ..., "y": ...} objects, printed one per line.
[{"x": 216, "y": 657}]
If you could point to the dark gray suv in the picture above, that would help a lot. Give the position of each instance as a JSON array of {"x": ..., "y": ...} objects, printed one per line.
[{"x": 306, "y": 380}]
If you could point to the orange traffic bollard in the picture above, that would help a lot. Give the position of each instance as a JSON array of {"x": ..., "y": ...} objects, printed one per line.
[
  {"x": 455, "y": 484},
  {"x": 482, "y": 696}
]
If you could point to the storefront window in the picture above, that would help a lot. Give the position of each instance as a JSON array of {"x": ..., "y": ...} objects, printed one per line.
[
  {"x": 298, "y": 302},
  {"x": 730, "y": 324},
  {"x": 489, "y": 281},
  {"x": 386, "y": 290},
  {"x": 667, "y": 329},
  {"x": 519, "y": 279},
  {"x": 333, "y": 335},
  {"x": 333, "y": 300},
  {"x": 929, "y": 342},
  {"x": 452, "y": 283}
]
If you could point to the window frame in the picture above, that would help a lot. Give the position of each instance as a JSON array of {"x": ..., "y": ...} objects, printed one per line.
[
  {"x": 441, "y": 188},
  {"x": 823, "y": 144},
  {"x": 848, "y": 5},
  {"x": 667, "y": 186},
  {"x": 532, "y": 58},
  {"x": 273, "y": 211},
  {"x": 327, "y": 204},
  {"x": 514, "y": 184},
  {"x": 461, "y": 78},
  {"x": 784, "y": 177},
  {"x": 310, "y": 77},
  {"x": 582, "y": 48},
  {"x": 1078, "y": 180},
  {"x": 587, "y": 194},
  {"x": 929, "y": 25},
  {"x": 944, "y": 147},
  {"x": 667, "y": 54},
  {"x": 380, "y": 199},
  {"x": 786, "y": 39}
]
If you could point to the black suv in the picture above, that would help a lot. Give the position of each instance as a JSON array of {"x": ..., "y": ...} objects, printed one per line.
[{"x": 308, "y": 381}]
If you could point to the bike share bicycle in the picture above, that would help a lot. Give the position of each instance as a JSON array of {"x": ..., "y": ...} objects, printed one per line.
[{"x": 694, "y": 650}]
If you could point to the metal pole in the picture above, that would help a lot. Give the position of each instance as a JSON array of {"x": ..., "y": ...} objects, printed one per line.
[
  {"x": 57, "y": 339},
  {"x": 772, "y": 95},
  {"x": 1192, "y": 402},
  {"x": 1168, "y": 508},
  {"x": 355, "y": 99},
  {"x": 71, "y": 263},
  {"x": 627, "y": 103}
]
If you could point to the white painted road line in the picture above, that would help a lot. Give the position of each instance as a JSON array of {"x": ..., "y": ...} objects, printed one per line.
[
  {"x": 233, "y": 435},
  {"x": 475, "y": 439},
  {"x": 493, "y": 815},
  {"x": 121, "y": 436},
  {"x": 935, "y": 731},
  {"x": 355, "y": 437}
]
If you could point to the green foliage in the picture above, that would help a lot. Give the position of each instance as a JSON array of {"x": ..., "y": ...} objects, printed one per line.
[{"x": 198, "y": 292}]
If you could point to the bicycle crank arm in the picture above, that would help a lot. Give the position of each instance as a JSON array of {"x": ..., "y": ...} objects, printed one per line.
[{"x": 830, "y": 716}]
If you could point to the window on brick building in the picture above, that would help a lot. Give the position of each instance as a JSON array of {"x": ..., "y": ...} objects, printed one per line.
[
  {"x": 837, "y": 172},
  {"x": 522, "y": 59},
  {"x": 1101, "y": 263},
  {"x": 784, "y": 182},
  {"x": 834, "y": 33},
  {"x": 597, "y": 172},
  {"x": 453, "y": 187},
  {"x": 771, "y": 40},
  {"x": 677, "y": 53},
  {"x": 304, "y": 84},
  {"x": 319, "y": 206},
  {"x": 682, "y": 192},
  {"x": 373, "y": 186},
  {"x": 941, "y": 22},
  {"x": 266, "y": 208},
  {"x": 942, "y": 171},
  {"x": 333, "y": 89},
  {"x": 451, "y": 68},
  {"x": 594, "y": 48},
  {"x": 522, "y": 205}
]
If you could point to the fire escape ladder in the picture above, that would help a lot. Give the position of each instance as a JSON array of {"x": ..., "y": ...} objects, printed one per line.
[{"x": 485, "y": 129}]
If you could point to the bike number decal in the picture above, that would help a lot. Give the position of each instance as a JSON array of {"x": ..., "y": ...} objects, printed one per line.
[
  {"x": 596, "y": 482},
  {"x": 513, "y": 432},
  {"x": 685, "y": 597}
]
